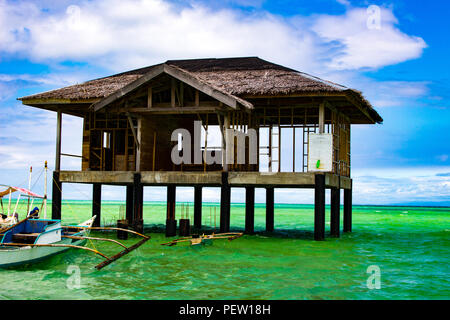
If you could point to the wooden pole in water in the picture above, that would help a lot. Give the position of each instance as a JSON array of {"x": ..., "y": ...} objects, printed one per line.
[
  {"x": 171, "y": 223},
  {"x": 198, "y": 207},
  {"x": 56, "y": 196},
  {"x": 249, "y": 210},
  {"x": 96, "y": 203},
  {"x": 225, "y": 198},
  {"x": 129, "y": 205},
  {"x": 319, "y": 207},
  {"x": 335, "y": 212},
  {"x": 138, "y": 202},
  {"x": 348, "y": 210}
]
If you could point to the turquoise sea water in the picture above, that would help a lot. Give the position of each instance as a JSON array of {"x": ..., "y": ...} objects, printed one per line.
[{"x": 410, "y": 245}]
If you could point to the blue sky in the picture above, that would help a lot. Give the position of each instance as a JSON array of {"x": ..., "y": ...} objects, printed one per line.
[{"x": 402, "y": 67}]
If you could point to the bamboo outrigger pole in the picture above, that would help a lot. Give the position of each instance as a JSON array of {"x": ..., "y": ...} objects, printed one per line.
[
  {"x": 93, "y": 238},
  {"x": 45, "y": 190},
  {"x": 54, "y": 245},
  {"x": 121, "y": 253},
  {"x": 9, "y": 203},
  {"x": 29, "y": 188},
  {"x": 107, "y": 228}
]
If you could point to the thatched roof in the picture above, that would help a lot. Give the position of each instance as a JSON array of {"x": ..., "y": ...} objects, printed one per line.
[{"x": 236, "y": 77}]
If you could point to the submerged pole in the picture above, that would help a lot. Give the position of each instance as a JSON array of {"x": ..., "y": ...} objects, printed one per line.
[{"x": 319, "y": 207}]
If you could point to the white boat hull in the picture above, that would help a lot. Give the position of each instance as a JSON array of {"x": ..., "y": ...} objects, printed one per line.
[
  {"x": 10, "y": 257},
  {"x": 15, "y": 256}
]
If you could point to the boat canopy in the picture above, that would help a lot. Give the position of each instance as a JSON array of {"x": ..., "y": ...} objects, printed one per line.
[{"x": 25, "y": 192}]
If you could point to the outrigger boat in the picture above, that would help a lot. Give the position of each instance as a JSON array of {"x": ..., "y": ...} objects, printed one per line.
[
  {"x": 204, "y": 238},
  {"x": 34, "y": 239}
]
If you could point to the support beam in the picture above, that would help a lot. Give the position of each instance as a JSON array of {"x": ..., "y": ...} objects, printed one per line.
[
  {"x": 150, "y": 98},
  {"x": 348, "y": 210},
  {"x": 96, "y": 203},
  {"x": 171, "y": 223},
  {"x": 270, "y": 209},
  {"x": 138, "y": 202},
  {"x": 250, "y": 210},
  {"x": 225, "y": 198},
  {"x": 319, "y": 207},
  {"x": 58, "y": 140},
  {"x": 225, "y": 143},
  {"x": 198, "y": 207},
  {"x": 322, "y": 118},
  {"x": 129, "y": 205},
  {"x": 335, "y": 212},
  {"x": 56, "y": 196}
]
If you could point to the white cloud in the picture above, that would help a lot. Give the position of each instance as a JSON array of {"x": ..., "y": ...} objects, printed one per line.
[
  {"x": 361, "y": 46},
  {"x": 120, "y": 34}
]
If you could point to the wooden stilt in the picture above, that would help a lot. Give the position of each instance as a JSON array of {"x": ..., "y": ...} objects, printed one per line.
[
  {"x": 319, "y": 207},
  {"x": 129, "y": 205},
  {"x": 335, "y": 212},
  {"x": 250, "y": 210},
  {"x": 269, "y": 209},
  {"x": 138, "y": 202},
  {"x": 171, "y": 223},
  {"x": 225, "y": 198},
  {"x": 96, "y": 203},
  {"x": 198, "y": 207},
  {"x": 56, "y": 196},
  {"x": 348, "y": 210}
]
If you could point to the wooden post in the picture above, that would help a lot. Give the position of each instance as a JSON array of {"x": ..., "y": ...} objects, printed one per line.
[
  {"x": 150, "y": 98},
  {"x": 270, "y": 209},
  {"x": 138, "y": 202},
  {"x": 319, "y": 207},
  {"x": 335, "y": 212},
  {"x": 58, "y": 141},
  {"x": 347, "y": 210},
  {"x": 322, "y": 118},
  {"x": 225, "y": 198},
  {"x": 129, "y": 205},
  {"x": 171, "y": 223},
  {"x": 225, "y": 143},
  {"x": 250, "y": 210},
  {"x": 56, "y": 196},
  {"x": 198, "y": 207},
  {"x": 96, "y": 203}
]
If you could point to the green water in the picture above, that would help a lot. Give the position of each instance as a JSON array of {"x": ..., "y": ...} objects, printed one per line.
[{"x": 409, "y": 245}]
